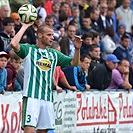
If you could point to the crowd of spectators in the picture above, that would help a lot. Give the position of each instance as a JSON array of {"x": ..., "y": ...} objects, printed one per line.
[{"x": 107, "y": 43}]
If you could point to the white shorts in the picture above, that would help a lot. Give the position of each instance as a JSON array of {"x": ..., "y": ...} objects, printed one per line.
[{"x": 38, "y": 113}]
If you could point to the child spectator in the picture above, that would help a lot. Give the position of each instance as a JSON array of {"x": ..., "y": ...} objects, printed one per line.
[
  {"x": 3, "y": 73},
  {"x": 12, "y": 69}
]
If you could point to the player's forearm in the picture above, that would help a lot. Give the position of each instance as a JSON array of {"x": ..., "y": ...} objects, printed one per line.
[{"x": 76, "y": 59}]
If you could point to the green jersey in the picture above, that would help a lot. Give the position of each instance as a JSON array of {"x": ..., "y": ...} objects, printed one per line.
[{"x": 39, "y": 65}]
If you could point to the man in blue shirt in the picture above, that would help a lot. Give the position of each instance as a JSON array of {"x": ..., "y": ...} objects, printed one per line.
[{"x": 76, "y": 75}]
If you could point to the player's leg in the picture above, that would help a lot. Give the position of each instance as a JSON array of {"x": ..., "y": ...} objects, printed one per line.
[
  {"x": 28, "y": 129},
  {"x": 30, "y": 114},
  {"x": 46, "y": 117}
]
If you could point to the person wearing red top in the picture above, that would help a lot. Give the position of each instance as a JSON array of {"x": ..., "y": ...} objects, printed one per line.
[
  {"x": 48, "y": 7},
  {"x": 59, "y": 75}
]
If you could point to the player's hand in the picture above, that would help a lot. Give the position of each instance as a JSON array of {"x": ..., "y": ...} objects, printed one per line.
[
  {"x": 27, "y": 25},
  {"x": 77, "y": 42}
]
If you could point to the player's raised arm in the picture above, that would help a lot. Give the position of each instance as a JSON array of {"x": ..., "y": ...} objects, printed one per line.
[
  {"x": 16, "y": 39},
  {"x": 77, "y": 44}
]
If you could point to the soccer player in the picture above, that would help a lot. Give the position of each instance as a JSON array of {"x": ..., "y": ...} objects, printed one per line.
[{"x": 39, "y": 64}]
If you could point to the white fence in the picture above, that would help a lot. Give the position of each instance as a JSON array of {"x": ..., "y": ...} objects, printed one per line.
[{"x": 76, "y": 112}]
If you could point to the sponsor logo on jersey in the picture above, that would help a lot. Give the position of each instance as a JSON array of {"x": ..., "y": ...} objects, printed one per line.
[{"x": 43, "y": 64}]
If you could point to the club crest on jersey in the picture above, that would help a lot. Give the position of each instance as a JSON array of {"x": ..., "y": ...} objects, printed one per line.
[{"x": 44, "y": 64}]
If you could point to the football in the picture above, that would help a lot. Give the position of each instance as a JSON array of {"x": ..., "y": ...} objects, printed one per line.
[{"x": 27, "y": 13}]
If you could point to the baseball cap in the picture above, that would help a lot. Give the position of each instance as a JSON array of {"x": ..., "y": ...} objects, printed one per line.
[
  {"x": 113, "y": 58},
  {"x": 14, "y": 15},
  {"x": 4, "y": 54}
]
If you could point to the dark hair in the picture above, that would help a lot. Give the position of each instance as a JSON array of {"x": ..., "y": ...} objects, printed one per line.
[
  {"x": 59, "y": 27},
  {"x": 95, "y": 34},
  {"x": 63, "y": 3},
  {"x": 14, "y": 57},
  {"x": 73, "y": 22},
  {"x": 125, "y": 37},
  {"x": 92, "y": 47},
  {"x": 49, "y": 17},
  {"x": 94, "y": 9},
  {"x": 110, "y": 31},
  {"x": 123, "y": 59},
  {"x": 69, "y": 26},
  {"x": 7, "y": 20},
  {"x": 85, "y": 35},
  {"x": 63, "y": 16},
  {"x": 111, "y": 8},
  {"x": 83, "y": 56}
]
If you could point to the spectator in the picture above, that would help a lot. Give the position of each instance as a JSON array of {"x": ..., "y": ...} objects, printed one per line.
[
  {"x": 110, "y": 13},
  {"x": 20, "y": 76},
  {"x": 124, "y": 13},
  {"x": 94, "y": 15},
  {"x": 86, "y": 43},
  {"x": 62, "y": 32},
  {"x": 18, "y": 25},
  {"x": 96, "y": 40},
  {"x": 109, "y": 45},
  {"x": 112, "y": 3},
  {"x": 59, "y": 76},
  {"x": 100, "y": 77},
  {"x": 92, "y": 4},
  {"x": 75, "y": 16},
  {"x": 30, "y": 35},
  {"x": 55, "y": 12},
  {"x": 86, "y": 27},
  {"x": 122, "y": 51},
  {"x": 66, "y": 43},
  {"x": 48, "y": 6},
  {"x": 75, "y": 23},
  {"x": 120, "y": 76},
  {"x": 102, "y": 21},
  {"x": 7, "y": 34},
  {"x": 39, "y": 4},
  {"x": 64, "y": 8},
  {"x": 3, "y": 73},
  {"x": 4, "y": 11},
  {"x": 121, "y": 30},
  {"x": 12, "y": 69},
  {"x": 49, "y": 20},
  {"x": 76, "y": 75},
  {"x": 63, "y": 21},
  {"x": 94, "y": 53}
]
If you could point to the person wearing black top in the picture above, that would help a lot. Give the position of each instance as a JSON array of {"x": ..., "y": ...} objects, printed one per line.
[{"x": 100, "y": 77}]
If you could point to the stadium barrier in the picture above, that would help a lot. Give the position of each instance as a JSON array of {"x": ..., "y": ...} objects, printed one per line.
[{"x": 76, "y": 112}]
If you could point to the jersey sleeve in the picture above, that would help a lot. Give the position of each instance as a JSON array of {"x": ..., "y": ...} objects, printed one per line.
[
  {"x": 63, "y": 60},
  {"x": 24, "y": 50}
]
